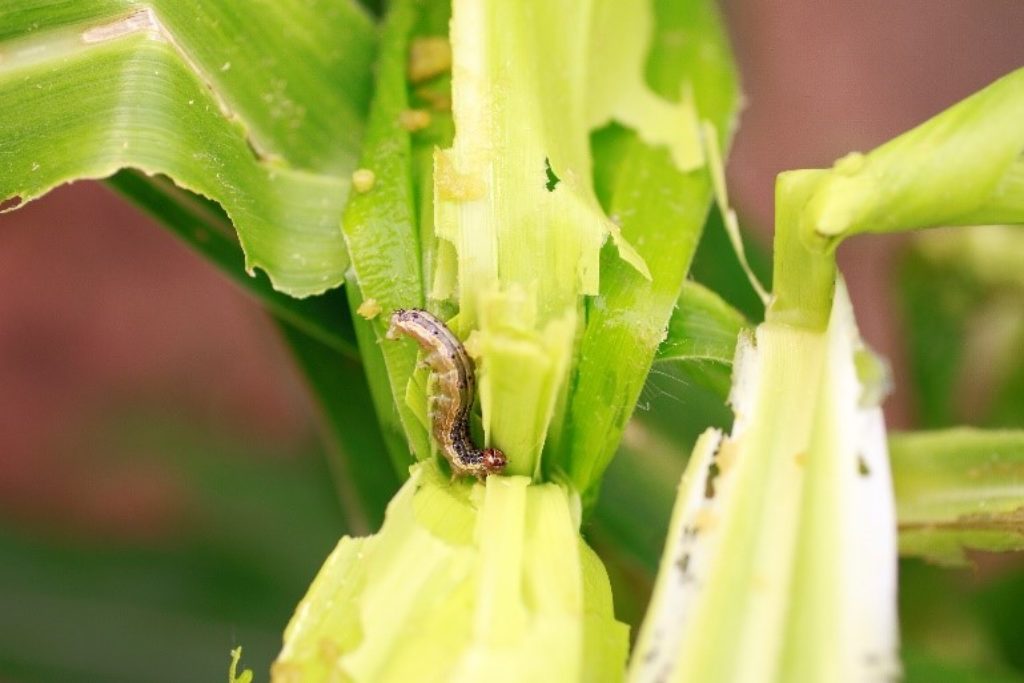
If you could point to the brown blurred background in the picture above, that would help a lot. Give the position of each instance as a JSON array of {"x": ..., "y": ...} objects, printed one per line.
[
  {"x": 104, "y": 316},
  {"x": 826, "y": 78}
]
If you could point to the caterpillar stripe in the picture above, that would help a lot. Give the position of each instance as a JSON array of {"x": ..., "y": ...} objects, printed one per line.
[{"x": 454, "y": 383}]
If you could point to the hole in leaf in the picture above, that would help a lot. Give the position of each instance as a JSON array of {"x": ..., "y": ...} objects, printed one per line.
[
  {"x": 862, "y": 466},
  {"x": 10, "y": 204},
  {"x": 709, "y": 483},
  {"x": 552, "y": 179},
  {"x": 683, "y": 563}
]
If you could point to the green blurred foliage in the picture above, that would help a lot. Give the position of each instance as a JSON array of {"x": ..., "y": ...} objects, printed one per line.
[
  {"x": 961, "y": 294},
  {"x": 255, "y": 526},
  {"x": 963, "y": 318}
]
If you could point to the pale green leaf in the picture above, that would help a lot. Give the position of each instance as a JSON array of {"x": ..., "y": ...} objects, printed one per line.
[
  {"x": 971, "y": 155},
  {"x": 466, "y": 581},
  {"x": 780, "y": 564},
  {"x": 515, "y": 199},
  {"x": 233, "y": 675}
]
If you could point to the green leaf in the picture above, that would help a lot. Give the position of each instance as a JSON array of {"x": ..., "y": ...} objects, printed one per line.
[
  {"x": 681, "y": 398},
  {"x": 262, "y": 115},
  {"x": 958, "y": 490},
  {"x": 381, "y": 230},
  {"x": 702, "y": 326},
  {"x": 702, "y": 335},
  {"x": 661, "y": 210}
]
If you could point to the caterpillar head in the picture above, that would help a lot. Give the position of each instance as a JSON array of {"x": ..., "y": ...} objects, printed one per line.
[{"x": 493, "y": 461}]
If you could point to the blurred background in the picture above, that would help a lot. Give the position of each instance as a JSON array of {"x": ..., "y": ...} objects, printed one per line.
[{"x": 163, "y": 494}]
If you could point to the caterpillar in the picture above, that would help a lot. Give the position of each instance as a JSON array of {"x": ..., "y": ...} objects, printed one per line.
[{"x": 455, "y": 385}]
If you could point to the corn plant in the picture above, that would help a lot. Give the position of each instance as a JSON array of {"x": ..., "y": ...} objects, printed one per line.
[{"x": 538, "y": 175}]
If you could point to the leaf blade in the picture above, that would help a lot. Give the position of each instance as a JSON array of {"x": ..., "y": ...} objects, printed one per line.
[
  {"x": 959, "y": 489},
  {"x": 89, "y": 88},
  {"x": 664, "y": 223}
]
